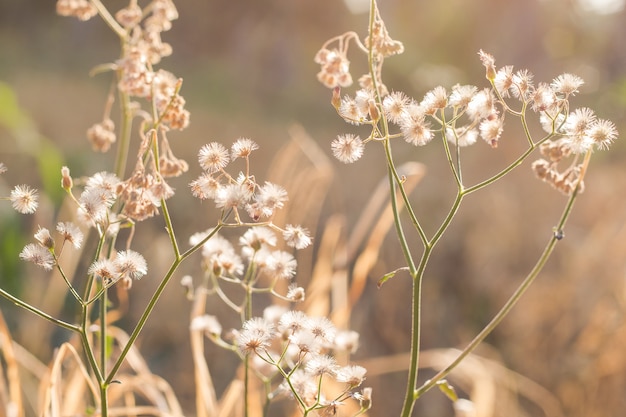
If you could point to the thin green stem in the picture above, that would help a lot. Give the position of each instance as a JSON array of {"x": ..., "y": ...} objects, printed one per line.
[
  {"x": 38, "y": 312},
  {"x": 152, "y": 303},
  {"x": 512, "y": 301}
]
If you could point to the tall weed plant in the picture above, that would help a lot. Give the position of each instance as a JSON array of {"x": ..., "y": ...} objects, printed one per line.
[{"x": 293, "y": 360}]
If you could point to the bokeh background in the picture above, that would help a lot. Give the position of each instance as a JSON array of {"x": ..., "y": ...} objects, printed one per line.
[{"x": 248, "y": 71}]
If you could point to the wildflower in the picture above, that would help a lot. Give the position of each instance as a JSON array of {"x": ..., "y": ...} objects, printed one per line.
[
  {"x": 43, "y": 237},
  {"x": 24, "y": 199},
  {"x": 207, "y": 324},
  {"x": 335, "y": 68},
  {"x": 481, "y": 105},
  {"x": 352, "y": 112},
  {"x": 461, "y": 95},
  {"x": 213, "y": 157},
  {"x": 462, "y": 136},
  {"x": 255, "y": 336},
  {"x": 296, "y": 236},
  {"x": 231, "y": 195},
  {"x": 136, "y": 78},
  {"x": 603, "y": 133},
  {"x": 131, "y": 264},
  {"x": 353, "y": 375},
  {"x": 302, "y": 384},
  {"x": 578, "y": 121},
  {"x": 416, "y": 131},
  {"x": 490, "y": 131},
  {"x": 347, "y": 148},
  {"x": 435, "y": 99},
  {"x": 273, "y": 313},
  {"x": 364, "y": 397},
  {"x": 104, "y": 182},
  {"x": 543, "y": 98},
  {"x": 319, "y": 365},
  {"x": 281, "y": 265},
  {"x": 256, "y": 238},
  {"x": 66, "y": 179},
  {"x": 102, "y": 135},
  {"x": 269, "y": 198},
  {"x": 489, "y": 63},
  {"x": 323, "y": 329},
  {"x": 566, "y": 84},
  {"x": 205, "y": 187},
  {"x": 129, "y": 16},
  {"x": 242, "y": 148},
  {"x": 71, "y": 233},
  {"x": 105, "y": 269},
  {"x": 504, "y": 80},
  {"x": 379, "y": 38},
  {"x": 522, "y": 84},
  {"x": 347, "y": 340},
  {"x": 394, "y": 106},
  {"x": 293, "y": 321},
  {"x": 295, "y": 294},
  {"x": 82, "y": 9},
  {"x": 39, "y": 255}
]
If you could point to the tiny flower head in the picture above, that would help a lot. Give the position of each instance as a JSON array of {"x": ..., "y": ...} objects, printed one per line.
[
  {"x": 43, "y": 236},
  {"x": 3, "y": 168},
  {"x": 489, "y": 63},
  {"x": 207, "y": 324},
  {"x": 347, "y": 148},
  {"x": 319, "y": 365},
  {"x": 435, "y": 99},
  {"x": 295, "y": 294},
  {"x": 416, "y": 131},
  {"x": 104, "y": 269},
  {"x": 566, "y": 84},
  {"x": 205, "y": 186},
  {"x": 394, "y": 106},
  {"x": 24, "y": 199},
  {"x": 242, "y": 148},
  {"x": 504, "y": 80},
  {"x": 131, "y": 264},
  {"x": 347, "y": 341},
  {"x": 257, "y": 238},
  {"x": 66, "y": 179},
  {"x": 39, "y": 255},
  {"x": 71, "y": 233},
  {"x": 293, "y": 321},
  {"x": 281, "y": 265},
  {"x": 256, "y": 335},
  {"x": 603, "y": 133},
  {"x": 323, "y": 329},
  {"x": 353, "y": 375},
  {"x": 296, "y": 236},
  {"x": 269, "y": 198},
  {"x": 213, "y": 157},
  {"x": 461, "y": 95}
]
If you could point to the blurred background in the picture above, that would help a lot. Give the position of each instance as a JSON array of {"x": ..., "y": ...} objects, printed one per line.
[{"x": 248, "y": 71}]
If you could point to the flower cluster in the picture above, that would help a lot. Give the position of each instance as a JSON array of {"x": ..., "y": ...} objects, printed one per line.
[
  {"x": 266, "y": 265},
  {"x": 44, "y": 253},
  {"x": 298, "y": 352},
  {"x": 463, "y": 113},
  {"x": 242, "y": 192}
]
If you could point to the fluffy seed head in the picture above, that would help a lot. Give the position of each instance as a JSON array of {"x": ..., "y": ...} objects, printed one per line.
[
  {"x": 347, "y": 148},
  {"x": 24, "y": 199}
]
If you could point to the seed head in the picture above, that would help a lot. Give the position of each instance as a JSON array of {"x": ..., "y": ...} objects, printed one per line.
[
  {"x": 24, "y": 199},
  {"x": 347, "y": 148},
  {"x": 39, "y": 255}
]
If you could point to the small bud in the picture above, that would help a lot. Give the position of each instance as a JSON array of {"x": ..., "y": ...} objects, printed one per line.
[
  {"x": 373, "y": 110},
  {"x": 66, "y": 179}
]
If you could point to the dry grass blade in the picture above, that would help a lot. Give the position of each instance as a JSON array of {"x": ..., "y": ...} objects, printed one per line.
[
  {"x": 152, "y": 387},
  {"x": 206, "y": 400},
  {"x": 64, "y": 389},
  {"x": 11, "y": 401},
  {"x": 493, "y": 389}
]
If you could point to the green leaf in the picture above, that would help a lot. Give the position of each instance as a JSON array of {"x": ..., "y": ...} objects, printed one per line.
[
  {"x": 389, "y": 275},
  {"x": 447, "y": 389}
]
